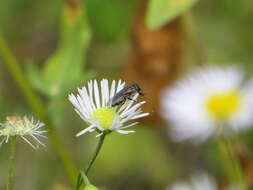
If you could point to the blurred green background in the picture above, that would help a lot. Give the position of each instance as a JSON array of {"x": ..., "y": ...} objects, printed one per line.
[{"x": 62, "y": 44}]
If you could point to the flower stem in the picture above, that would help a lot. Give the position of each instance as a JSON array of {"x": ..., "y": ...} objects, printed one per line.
[
  {"x": 100, "y": 143},
  {"x": 38, "y": 107},
  {"x": 11, "y": 163},
  {"x": 98, "y": 148},
  {"x": 232, "y": 163}
]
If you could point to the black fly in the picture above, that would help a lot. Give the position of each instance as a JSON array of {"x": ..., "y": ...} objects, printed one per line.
[{"x": 127, "y": 93}]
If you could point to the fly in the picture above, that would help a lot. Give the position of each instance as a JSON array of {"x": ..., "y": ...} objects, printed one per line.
[{"x": 127, "y": 93}]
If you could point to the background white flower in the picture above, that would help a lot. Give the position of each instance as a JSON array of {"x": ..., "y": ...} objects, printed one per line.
[
  {"x": 93, "y": 105},
  {"x": 199, "y": 181},
  {"x": 24, "y": 128},
  {"x": 211, "y": 100}
]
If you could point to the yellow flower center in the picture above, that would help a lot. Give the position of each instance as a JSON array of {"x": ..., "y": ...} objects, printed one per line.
[
  {"x": 222, "y": 106},
  {"x": 105, "y": 116}
]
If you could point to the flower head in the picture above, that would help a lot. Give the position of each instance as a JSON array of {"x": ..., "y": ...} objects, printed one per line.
[
  {"x": 211, "y": 100},
  {"x": 93, "y": 105},
  {"x": 23, "y": 127}
]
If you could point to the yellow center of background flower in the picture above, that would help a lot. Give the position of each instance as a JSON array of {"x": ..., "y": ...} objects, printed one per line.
[
  {"x": 223, "y": 106},
  {"x": 105, "y": 116}
]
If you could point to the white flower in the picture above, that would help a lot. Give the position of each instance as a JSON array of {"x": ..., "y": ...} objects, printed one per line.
[
  {"x": 213, "y": 100},
  {"x": 93, "y": 105},
  {"x": 23, "y": 127},
  {"x": 198, "y": 181}
]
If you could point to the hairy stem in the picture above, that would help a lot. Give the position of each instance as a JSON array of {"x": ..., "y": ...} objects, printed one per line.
[{"x": 9, "y": 184}]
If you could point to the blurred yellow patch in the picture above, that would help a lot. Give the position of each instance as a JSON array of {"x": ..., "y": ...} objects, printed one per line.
[
  {"x": 177, "y": 2},
  {"x": 60, "y": 187},
  {"x": 222, "y": 106}
]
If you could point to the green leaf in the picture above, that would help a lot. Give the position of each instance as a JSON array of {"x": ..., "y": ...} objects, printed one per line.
[
  {"x": 161, "y": 12},
  {"x": 86, "y": 182},
  {"x": 90, "y": 187},
  {"x": 109, "y": 18},
  {"x": 35, "y": 78},
  {"x": 63, "y": 71}
]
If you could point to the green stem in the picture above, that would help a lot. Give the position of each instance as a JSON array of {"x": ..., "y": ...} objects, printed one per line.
[
  {"x": 100, "y": 143},
  {"x": 11, "y": 163},
  {"x": 231, "y": 163},
  {"x": 37, "y": 106},
  {"x": 98, "y": 148}
]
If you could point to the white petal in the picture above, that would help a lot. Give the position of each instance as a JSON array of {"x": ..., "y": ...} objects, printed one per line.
[
  {"x": 125, "y": 132},
  {"x": 39, "y": 133},
  {"x": 81, "y": 109},
  {"x": 28, "y": 142},
  {"x": 130, "y": 125},
  {"x": 85, "y": 100},
  {"x": 99, "y": 135},
  {"x": 132, "y": 109},
  {"x": 90, "y": 90},
  {"x": 131, "y": 115},
  {"x": 106, "y": 92},
  {"x": 97, "y": 95},
  {"x": 38, "y": 141},
  {"x": 84, "y": 131},
  {"x": 112, "y": 92},
  {"x": 116, "y": 124},
  {"x": 102, "y": 86},
  {"x": 140, "y": 116},
  {"x": 120, "y": 86}
]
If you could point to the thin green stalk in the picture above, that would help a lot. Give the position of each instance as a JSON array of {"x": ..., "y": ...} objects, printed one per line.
[
  {"x": 9, "y": 184},
  {"x": 38, "y": 107},
  {"x": 98, "y": 148},
  {"x": 231, "y": 163},
  {"x": 100, "y": 143}
]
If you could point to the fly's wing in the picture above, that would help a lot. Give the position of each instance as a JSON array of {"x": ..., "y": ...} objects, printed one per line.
[{"x": 119, "y": 97}]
